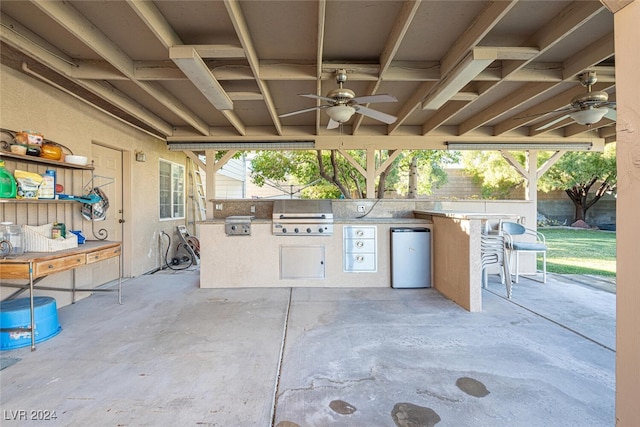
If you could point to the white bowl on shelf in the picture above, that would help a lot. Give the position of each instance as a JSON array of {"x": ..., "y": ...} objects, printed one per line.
[{"x": 76, "y": 160}]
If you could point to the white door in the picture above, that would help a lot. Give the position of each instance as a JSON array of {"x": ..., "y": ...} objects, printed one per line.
[{"x": 108, "y": 177}]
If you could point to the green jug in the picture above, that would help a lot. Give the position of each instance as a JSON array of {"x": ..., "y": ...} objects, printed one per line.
[{"x": 7, "y": 183}]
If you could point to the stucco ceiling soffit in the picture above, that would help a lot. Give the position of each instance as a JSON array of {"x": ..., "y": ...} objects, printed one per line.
[
  {"x": 74, "y": 22},
  {"x": 242, "y": 31}
]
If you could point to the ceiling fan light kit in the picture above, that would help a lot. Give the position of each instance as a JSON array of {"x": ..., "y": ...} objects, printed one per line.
[
  {"x": 589, "y": 116},
  {"x": 342, "y": 104},
  {"x": 586, "y": 108},
  {"x": 340, "y": 113}
]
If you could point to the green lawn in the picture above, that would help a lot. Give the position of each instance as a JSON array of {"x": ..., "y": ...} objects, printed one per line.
[{"x": 578, "y": 251}]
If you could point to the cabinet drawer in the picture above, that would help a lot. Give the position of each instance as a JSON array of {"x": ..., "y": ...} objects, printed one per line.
[
  {"x": 359, "y": 262},
  {"x": 353, "y": 232},
  {"x": 14, "y": 271},
  {"x": 359, "y": 245},
  {"x": 44, "y": 268},
  {"x": 103, "y": 254}
]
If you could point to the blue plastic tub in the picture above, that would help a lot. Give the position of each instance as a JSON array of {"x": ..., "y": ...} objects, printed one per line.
[{"x": 15, "y": 314}]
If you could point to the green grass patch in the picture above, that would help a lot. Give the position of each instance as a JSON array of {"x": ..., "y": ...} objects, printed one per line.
[{"x": 578, "y": 251}]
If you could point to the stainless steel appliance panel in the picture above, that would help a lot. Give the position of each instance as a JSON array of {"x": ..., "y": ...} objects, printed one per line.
[{"x": 410, "y": 257}]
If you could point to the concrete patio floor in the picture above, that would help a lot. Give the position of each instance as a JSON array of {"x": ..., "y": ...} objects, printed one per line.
[{"x": 174, "y": 354}]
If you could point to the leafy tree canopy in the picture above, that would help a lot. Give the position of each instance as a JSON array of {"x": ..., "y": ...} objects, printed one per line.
[
  {"x": 576, "y": 172},
  {"x": 328, "y": 174}
]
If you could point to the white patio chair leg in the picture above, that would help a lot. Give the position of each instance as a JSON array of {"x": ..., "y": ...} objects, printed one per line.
[
  {"x": 544, "y": 267},
  {"x": 517, "y": 265}
]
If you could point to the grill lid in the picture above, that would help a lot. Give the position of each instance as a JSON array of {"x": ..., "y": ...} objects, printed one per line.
[{"x": 302, "y": 209}]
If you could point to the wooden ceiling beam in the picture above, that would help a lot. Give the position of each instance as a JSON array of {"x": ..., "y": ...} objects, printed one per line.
[
  {"x": 322, "y": 16},
  {"x": 400, "y": 28},
  {"x": 74, "y": 22},
  {"x": 31, "y": 45},
  {"x": 560, "y": 27},
  {"x": 486, "y": 20},
  {"x": 242, "y": 31}
]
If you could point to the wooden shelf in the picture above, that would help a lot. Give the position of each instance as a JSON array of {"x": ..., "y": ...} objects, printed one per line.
[
  {"x": 40, "y": 160},
  {"x": 37, "y": 201}
]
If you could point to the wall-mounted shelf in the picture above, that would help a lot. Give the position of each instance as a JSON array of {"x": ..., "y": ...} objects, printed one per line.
[
  {"x": 40, "y": 160},
  {"x": 38, "y": 201}
]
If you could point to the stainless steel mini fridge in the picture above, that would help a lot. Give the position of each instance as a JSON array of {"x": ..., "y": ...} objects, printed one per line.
[{"x": 410, "y": 257}]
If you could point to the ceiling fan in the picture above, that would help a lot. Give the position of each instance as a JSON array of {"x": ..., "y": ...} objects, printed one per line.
[
  {"x": 342, "y": 103},
  {"x": 586, "y": 108}
]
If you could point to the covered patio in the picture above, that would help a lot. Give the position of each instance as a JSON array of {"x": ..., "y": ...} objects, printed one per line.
[{"x": 176, "y": 354}]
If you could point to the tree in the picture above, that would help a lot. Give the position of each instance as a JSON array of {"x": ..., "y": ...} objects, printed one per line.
[
  {"x": 306, "y": 167},
  {"x": 490, "y": 170},
  {"x": 577, "y": 173}
]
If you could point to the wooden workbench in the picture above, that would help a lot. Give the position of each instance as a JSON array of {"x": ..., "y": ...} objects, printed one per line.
[{"x": 34, "y": 266}]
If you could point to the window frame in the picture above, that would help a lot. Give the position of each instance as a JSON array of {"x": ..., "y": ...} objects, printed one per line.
[{"x": 174, "y": 190}]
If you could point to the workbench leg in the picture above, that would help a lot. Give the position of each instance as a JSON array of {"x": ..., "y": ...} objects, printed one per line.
[{"x": 32, "y": 309}]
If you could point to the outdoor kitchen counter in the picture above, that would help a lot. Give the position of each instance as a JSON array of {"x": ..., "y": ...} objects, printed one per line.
[
  {"x": 260, "y": 259},
  {"x": 457, "y": 266}
]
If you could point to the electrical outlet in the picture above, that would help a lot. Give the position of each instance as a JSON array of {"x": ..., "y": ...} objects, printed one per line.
[
  {"x": 361, "y": 208},
  {"x": 253, "y": 209},
  {"x": 218, "y": 206}
]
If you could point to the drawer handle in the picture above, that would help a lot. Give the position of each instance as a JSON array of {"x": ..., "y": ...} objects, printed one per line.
[
  {"x": 359, "y": 233},
  {"x": 360, "y": 258},
  {"x": 50, "y": 265},
  {"x": 360, "y": 243}
]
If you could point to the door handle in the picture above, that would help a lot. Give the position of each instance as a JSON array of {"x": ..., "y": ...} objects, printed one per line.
[{"x": 121, "y": 220}]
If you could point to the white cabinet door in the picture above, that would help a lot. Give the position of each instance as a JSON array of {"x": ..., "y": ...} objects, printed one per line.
[{"x": 302, "y": 262}]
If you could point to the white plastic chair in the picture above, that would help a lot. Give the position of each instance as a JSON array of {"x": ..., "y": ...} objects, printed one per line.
[
  {"x": 493, "y": 251},
  {"x": 511, "y": 229}
]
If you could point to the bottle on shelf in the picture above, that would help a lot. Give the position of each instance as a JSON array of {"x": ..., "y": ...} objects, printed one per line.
[
  {"x": 47, "y": 188},
  {"x": 7, "y": 183}
]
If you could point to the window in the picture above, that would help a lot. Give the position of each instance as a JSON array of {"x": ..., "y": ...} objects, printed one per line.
[{"x": 171, "y": 190}]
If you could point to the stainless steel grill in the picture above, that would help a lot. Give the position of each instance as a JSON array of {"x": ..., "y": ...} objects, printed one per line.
[{"x": 302, "y": 217}]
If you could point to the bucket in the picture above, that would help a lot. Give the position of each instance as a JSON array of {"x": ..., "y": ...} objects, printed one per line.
[{"x": 15, "y": 314}]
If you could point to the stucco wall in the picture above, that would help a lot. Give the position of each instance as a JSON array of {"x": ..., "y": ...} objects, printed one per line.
[{"x": 30, "y": 104}]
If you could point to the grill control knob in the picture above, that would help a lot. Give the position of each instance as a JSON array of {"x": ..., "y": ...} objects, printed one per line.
[
  {"x": 284, "y": 230},
  {"x": 295, "y": 230},
  {"x": 308, "y": 230},
  {"x": 320, "y": 230}
]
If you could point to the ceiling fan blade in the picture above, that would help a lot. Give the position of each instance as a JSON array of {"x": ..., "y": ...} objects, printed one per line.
[
  {"x": 383, "y": 97},
  {"x": 374, "y": 114},
  {"x": 553, "y": 122},
  {"x": 612, "y": 114},
  {"x": 306, "y": 110},
  {"x": 561, "y": 110},
  {"x": 333, "y": 124},
  {"x": 311, "y": 95}
]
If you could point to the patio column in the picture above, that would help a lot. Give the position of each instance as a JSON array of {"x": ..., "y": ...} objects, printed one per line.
[
  {"x": 210, "y": 174},
  {"x": 627, "y": 34}
]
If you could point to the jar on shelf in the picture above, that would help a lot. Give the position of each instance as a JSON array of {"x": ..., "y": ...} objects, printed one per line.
[{"x": 12, "y": 239}]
